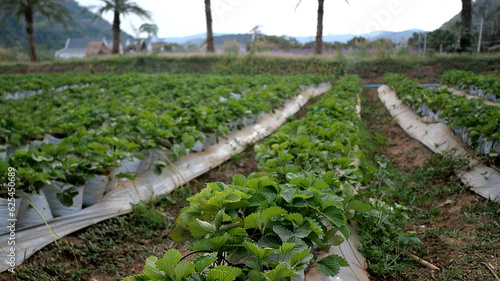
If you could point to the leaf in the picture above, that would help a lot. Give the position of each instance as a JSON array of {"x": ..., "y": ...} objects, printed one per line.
[
  {"x": 203, "y": 262},
  {"x": 253, "y": 221},
  {"x": 168, "y": 262},
  {"x": 288, "y": 193},
  {"x": 357, "y": 205},
  {"x": 255, "y": 275},
  {"x": 256, "y": 251},
  {"x": 315, "y": 227},
  {"x": 253, "y": 265},
  {"x": 272, "y": 212},
  {"x": 66, "y": 196},
  {"x": 223, "y": 273},
  {"x": 329, "y": 266},
  {"x": 295, "y": 217},
  {"x": 285, "y": 248},
  {"x": 237, "y": 231},
  {"x": 151, "y": 271},
  {"x": 183, "y": 269},
  {"x": 300, "y": 259},
  {"x": 199, "y": 228},
  {"x": 282, "y": 232},
  {"x": 188, "y": 140},
  {"x": 303, "y": 231},
  {"x": 280, "y": 272},
  {"x": 335, "y": 216}
]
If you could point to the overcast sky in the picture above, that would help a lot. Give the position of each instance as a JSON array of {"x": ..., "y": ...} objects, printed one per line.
[{"x": 177, "y": 18}]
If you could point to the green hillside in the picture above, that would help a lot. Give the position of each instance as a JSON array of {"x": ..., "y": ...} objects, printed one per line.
[{"x": 51, "y": 35}]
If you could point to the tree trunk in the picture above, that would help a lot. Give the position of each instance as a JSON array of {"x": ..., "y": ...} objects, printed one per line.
[
  {"x": 28, "y": 18},
  {"x": 116, "y": 33},
  {"x": 319, "y": 32},
  {"x": 466, "y": 36},
  {"x": 210, "y": 36}
]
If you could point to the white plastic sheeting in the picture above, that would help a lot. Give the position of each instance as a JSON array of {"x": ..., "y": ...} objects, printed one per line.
[
  {"x": 439, "y": 138},
  {"x": 469, "y": 96},
  {"x": 147, "y": 185}
]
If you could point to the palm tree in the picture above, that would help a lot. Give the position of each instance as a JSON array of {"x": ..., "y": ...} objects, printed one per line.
[
  {"x": 50, "y": 9},
  {"x": 120, "y": 7},
  {"x": 150, "y": 29},
  {"x": 319, "y": 30},
  {"x": 466, "y": 15},
  {"x": 210, "y": 35}
]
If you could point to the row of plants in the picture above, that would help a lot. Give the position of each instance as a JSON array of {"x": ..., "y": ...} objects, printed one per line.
[
  {"x": 14, "y": 83},
  {"x": 143, "y": 106},
  {"x": 267, "y": 226},
  {"x": 477, "y": 123},
  {"x": 113, "y": 132},
  {"x": 487, "y": 86}
]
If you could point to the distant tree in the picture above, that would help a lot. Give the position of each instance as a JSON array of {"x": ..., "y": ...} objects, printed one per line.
[
  {"x": 210, "y": 36},
  {"x": 319, "y": 30},
  {"x": 120, "y": 7},
  {"x": 466, "y": 35},
  {"x": 150, "y": 29},
  {"x": 50, "y": 9}
]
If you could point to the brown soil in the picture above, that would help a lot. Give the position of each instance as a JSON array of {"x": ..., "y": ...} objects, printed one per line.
[
  {"x": 403, "y": 151},
  {"x": 461, "y": 235}
]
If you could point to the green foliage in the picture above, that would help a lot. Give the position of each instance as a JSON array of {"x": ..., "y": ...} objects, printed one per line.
[
  {"x": 106, "y": 119},
  {"x": 272, "y": 222},
  {"x": 479, "y": 121}
]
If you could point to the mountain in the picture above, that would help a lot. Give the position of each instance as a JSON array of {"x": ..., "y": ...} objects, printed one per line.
[
  {"x": 198, "y": 39},
  {"x": 52, "y": 35}
]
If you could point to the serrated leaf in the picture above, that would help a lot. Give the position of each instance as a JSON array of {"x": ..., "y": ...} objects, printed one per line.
[
  {"x": 335, "y": 216},
  {"x": 295, "y": 217},
  {"x": 300, "y": 259},
  {"x": 237, "y": 231},
  {"x": 203, "y": 262},
  {"x": 282, "y": 232},
  {"x": 315, "y": 227},
  {"x": 285, "y": 248},
  {"x": 280, "y": 272},
  {"x": 329, "y": 266},
  {"x": 302, "y": 231},
  {"x": 254, "y": 249},
  {"x": 272, "y": 212},
  {"x": 151, "y": 271},
  {"x": 199, "y": 228},
  {"x": 223, "y": 273},
  {"x": 253, "y": 221},
  {"x": 183, "y": 269},
  {"x": 288, "y": 193},
  {"x": 168, "y": 261}
]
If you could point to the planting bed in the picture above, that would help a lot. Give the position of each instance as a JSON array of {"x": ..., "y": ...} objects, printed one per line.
[
  {"x": 64, "y": 171},
  {"x": 477, "y": 123}
]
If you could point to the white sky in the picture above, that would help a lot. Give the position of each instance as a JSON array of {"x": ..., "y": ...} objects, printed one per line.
[{"x": 178, "y": 18}]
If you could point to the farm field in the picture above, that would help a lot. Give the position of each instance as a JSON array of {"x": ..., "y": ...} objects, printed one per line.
[{"x": 279, "y": 201}]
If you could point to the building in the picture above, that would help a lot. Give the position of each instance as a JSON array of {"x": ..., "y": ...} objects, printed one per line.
[{"x": 84, "y": 47}]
